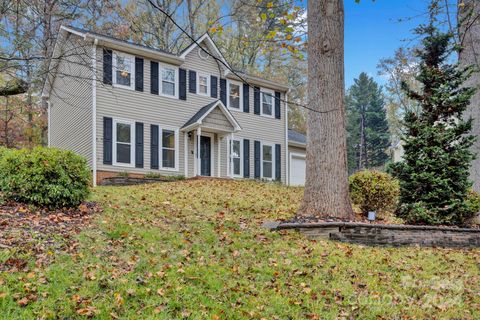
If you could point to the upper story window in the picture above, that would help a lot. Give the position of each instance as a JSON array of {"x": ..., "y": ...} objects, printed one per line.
[
  {"x": 169, "y": 76},
  {"x": 123, "y": 139},
  {"x": 123, "y": 66},
  {"x": 267, "y": 161},
  {"x": 203, "y": 84},
  {"x": 234, "y": 95},
  {"x": 267, "y": 103}
]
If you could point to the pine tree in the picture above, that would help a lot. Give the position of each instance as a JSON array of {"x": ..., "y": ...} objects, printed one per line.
[
  {"x": 367, "y": 126},
  {"x": 434, "y": 174}
]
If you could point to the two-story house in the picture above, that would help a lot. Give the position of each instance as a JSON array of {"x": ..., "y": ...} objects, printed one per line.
[{"x": 130, "y": 108}]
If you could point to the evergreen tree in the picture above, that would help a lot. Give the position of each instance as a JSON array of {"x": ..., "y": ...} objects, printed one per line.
[
  {"x": 368, "y": 135},
  {"x": 434, "y": 174}
]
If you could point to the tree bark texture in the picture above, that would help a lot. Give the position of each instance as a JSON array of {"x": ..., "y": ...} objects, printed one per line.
[
  {"x": 469, "y": 16},
  {"x": 326, "y": 187}
]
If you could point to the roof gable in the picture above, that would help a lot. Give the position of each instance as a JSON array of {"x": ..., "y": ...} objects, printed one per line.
[
  {"x": 199, "y": 117},
  {"x": 212, "y": 47}
]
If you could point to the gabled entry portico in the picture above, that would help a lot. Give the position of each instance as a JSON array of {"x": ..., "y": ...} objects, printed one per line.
[{"x": 205, "y": 132}]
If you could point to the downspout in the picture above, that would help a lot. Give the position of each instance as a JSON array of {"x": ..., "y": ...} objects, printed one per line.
[
  {"x": 49, "y": 123},
  {"x": 287, "y": 168},
  {"x": 94, "y": 112}
]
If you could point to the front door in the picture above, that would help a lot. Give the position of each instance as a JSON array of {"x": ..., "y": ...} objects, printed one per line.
[{"x": 205, "y": 156}]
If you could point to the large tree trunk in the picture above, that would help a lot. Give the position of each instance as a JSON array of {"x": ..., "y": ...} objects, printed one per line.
[
  {"x": 326, "y": 187},
  {"x": 470, "y": 55}
]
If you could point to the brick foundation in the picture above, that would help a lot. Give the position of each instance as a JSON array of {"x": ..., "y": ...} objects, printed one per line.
[{"x": 387, "y": 235}]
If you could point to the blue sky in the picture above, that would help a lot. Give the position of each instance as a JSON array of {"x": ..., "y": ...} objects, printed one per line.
[{"x": 372, "y": 32}]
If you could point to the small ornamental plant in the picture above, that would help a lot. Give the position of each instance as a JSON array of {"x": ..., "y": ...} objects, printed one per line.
[
  {"x": 46, "y": 177},
  {"x": 374, "y": 191}
]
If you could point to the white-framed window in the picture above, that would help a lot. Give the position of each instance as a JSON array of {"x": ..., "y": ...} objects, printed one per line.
[
  {"x": 234, "y": 92},
  {"x": 203, "y": 84},
  {"x": 168, "y": 81},
  {"x": 123, "y": 143},
  {"x": 267, "y": 161},
  {"x": 123, "y": 70},
  {"x": 236, "y": 153},
  {"x": 169, "y": 147},
  {"x": 267, "y": 103}
]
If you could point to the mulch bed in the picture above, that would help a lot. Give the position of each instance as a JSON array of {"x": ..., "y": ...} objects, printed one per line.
[{"x": 40, "y": 232}]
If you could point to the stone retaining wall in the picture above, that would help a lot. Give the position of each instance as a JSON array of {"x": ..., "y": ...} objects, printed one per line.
[{"x": 387, "y": 235}]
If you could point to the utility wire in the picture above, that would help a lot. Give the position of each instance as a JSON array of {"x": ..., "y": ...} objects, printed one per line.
[{"x": 169, "y": 16}]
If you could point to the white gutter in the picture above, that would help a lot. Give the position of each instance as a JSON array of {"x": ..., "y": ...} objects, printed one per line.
[{"x": 94, "y": 112}]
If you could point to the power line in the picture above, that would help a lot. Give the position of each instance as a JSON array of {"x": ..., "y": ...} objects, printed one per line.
[{"x": 169, "y": 16}]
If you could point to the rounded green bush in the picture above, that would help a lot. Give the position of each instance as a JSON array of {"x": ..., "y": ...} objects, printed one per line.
[
  {"x": 374, "y": 191},
  {"x": 46, "y": 177}
]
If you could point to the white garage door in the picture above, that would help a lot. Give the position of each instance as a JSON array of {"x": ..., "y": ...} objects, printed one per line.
[{"x": 297, "y": 170}]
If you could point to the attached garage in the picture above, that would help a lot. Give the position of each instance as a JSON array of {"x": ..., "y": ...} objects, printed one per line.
[
  {"x": 297, "y": 143},
  {"x": 297, "y": 169}
]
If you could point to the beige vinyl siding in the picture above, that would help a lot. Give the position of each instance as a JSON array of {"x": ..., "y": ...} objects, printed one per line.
[
  {"x": 71, "y": 99},
  {"x": 260, "y": 128},
  {"x": 148, "y": 108},
  {"x": 125, "y": 104},
  {"x": 217, "y": 120},
  {"x": 292, "y": 149}
]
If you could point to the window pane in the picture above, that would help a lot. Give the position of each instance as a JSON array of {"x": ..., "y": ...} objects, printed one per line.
[
  {"x": 236, "y": 149},
  {"x": 168, "y": 139},
  {"x": 168, "y": 88},
  {"x": 267, "y": 101},
  {"x": 123, "y": 78},
  {"x": 168, "y": 75},
  {"x": 267, "y": 109},
  {"x": 168, "y": 158},
  {"x": 267, "y": 169},
  {"x": 123, "y": 132},
  {"x": 267, "y": 153},
  {"x": 236, "y": 166},
  {"x": 203, "y": 80},
  {"x": 123, "y": 153},
  {"x": 203, "y": 89},
  {"x": 234, "y": 96},
  {"x": 123, "y": 70}
]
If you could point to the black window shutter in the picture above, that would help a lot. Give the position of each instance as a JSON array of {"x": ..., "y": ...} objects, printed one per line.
[
  {"x": 257, "y": 159},
  {"x": 246, "y": 98},
  {"x": 223, "y": 91},
  {"x": 107, "y": 66},
  {"x": 213, "y": 87},
  {"x": 278, "y": 162},
  {"x": 256, "y": 100},
  {"x": 138, "y": 144},
  {"x": 107, "y": 140},
  {"x": 246, "y": 158},
  {"x": 154, "y": 146},
  {"x": 154, "y": 77},
  {"x": 138, "y": 74},
  {"x": 192, "y": 81},
  {"x": 182, "y": 92},
  {"x": 277, "y": 105}
]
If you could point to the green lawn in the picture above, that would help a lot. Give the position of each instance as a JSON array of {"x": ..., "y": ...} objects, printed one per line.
[{"x": 196, "y": 250}]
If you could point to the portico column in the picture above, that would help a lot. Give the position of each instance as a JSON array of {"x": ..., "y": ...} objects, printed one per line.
[
  {"x": 230, "y": 160},
  {"x": 199, "y": 163}
]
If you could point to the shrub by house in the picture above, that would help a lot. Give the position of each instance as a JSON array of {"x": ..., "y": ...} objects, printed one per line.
[{"x": 47, "y": 177}]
